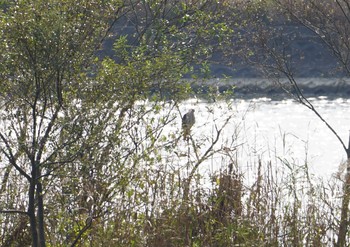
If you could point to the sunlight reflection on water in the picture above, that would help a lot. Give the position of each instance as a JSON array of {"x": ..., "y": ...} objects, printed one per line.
[
  {"x": 287, "y": 128},
  {"x": 284, "y": 129}
]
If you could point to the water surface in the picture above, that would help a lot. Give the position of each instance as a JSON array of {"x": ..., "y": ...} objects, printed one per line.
[
  {"x": 287, "y": 128},
  {"x": 281, "y": 129}
]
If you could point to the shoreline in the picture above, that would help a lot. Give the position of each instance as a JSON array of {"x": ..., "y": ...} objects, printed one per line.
[{"x": 261, "y": 86}]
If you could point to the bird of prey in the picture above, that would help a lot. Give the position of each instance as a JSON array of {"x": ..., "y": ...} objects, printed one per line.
[{"x": 188, "y": 121}]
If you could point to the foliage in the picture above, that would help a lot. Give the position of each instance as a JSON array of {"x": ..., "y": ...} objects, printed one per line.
[
  {"x": 75, "y": 125},
  {"x": 91, "y": 149}
]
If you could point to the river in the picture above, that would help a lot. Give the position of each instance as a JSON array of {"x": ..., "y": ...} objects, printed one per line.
[
  {"x": 287, "y": 128},
  {"x": 270, "y": 129}
]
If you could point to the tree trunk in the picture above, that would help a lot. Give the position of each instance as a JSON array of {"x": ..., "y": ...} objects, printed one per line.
[
  {"x": 31, "y": 212},
  {"x": 344, "y": 222},
  {"x": 40, "y": 214},
  {"x": 344, "y": 213}
]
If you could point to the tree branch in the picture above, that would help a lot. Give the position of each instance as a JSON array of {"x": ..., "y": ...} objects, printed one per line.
[
  {"x": 13, "y": 211},
  {"x": 88, "y": 224},
  {"x": 12, "y": 158}
]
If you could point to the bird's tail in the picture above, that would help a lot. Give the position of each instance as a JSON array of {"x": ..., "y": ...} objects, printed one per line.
[{"x": 186, "y": 134}]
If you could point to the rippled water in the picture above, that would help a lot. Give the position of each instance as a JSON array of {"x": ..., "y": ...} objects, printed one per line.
[
  {"x": 284, "y": 129},
  {"x": 287, "y": 128}
]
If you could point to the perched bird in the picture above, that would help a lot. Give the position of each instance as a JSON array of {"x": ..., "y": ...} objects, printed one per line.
[{"x": 188, "y": 121}]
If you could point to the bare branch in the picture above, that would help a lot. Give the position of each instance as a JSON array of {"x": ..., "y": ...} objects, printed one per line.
[
  {"x": 88, "y": 224},
  {"x": 11, "y": 157},
  {"x": 47, "y": 133},
  {"x": 13, "y": 211},
  {"x": 209, "y": 152}
]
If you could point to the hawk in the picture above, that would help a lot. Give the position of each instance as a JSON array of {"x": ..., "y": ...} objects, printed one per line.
[{"x": 188, "y": 121}]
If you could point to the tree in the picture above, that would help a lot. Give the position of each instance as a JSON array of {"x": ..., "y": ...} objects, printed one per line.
[
  {"x": 69, "y": 139},
  {"x": 277, "y": 28},
  {"x": 41, "y": 64}
]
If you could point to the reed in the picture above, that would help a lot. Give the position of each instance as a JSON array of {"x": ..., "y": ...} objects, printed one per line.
[{"x": 160, "y": 195}]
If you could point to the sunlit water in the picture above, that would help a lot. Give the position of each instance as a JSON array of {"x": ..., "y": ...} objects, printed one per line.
[
  {"x": 288, "y": 128},
  {"x": 270, "y": 130}
]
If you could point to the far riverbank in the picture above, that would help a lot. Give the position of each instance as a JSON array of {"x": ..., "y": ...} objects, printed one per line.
[{"x": 251, "y": 87}]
